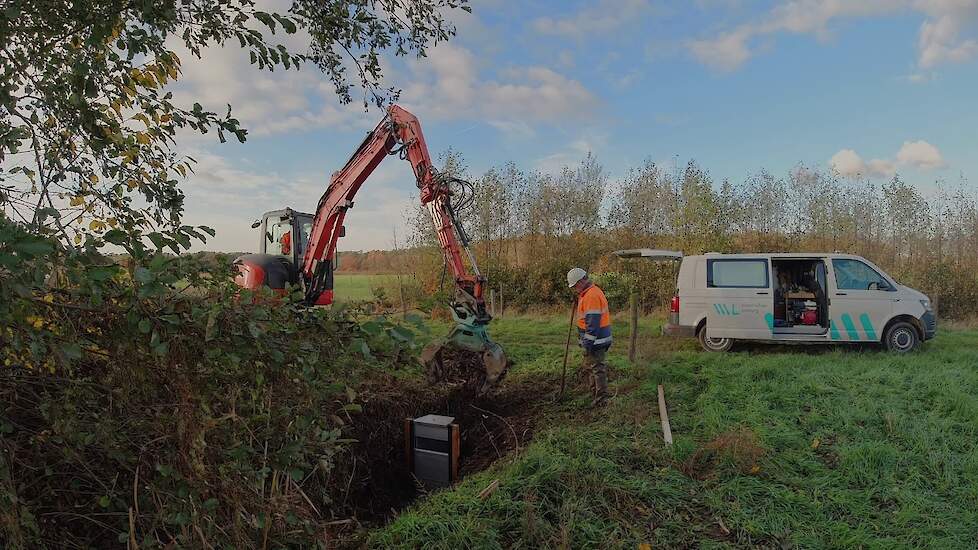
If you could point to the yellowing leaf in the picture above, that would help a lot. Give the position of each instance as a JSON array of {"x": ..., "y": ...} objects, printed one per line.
[
  {"x": 77, "y": 201},
  {"x": 77, "y": 238},
  {"x": 815, "y": 443},
  {"x": 93, "y": 178},
  {"x": 142, "y": 117},
  {"x": 755, "y": 469},
  {"x": 142, "y": 138}
]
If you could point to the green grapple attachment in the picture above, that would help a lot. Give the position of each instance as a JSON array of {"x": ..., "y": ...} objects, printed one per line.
[{"x": 467, "y": 354}]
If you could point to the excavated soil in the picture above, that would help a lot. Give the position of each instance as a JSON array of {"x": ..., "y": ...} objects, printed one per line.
[{"x": 373, "y": 482}]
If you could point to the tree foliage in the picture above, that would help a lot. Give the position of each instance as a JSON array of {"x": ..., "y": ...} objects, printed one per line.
[
  {"x": 88, "y": 126},
  {"x": 143, "y": 400},
  {"x": 531, "y": 227}
]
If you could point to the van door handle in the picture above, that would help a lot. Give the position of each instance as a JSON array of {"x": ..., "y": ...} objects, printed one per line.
[
  {"x": 765, "y": 293},
  {"x": 841, "y": 294}
]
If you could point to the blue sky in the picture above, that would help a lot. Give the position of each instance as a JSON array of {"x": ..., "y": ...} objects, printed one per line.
[{"x": 869, "y": 88}]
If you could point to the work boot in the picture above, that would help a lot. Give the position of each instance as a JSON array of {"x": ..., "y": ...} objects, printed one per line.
[{"x": 600, "y": 381}]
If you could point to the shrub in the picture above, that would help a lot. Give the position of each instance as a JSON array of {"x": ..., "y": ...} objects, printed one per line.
[{"x": 132, "y": 412}]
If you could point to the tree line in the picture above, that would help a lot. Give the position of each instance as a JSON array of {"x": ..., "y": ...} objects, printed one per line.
[{"x": 529, "y": 227}]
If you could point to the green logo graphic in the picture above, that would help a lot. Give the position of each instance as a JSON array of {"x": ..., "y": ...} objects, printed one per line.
[{"x": 729, "y": 310}]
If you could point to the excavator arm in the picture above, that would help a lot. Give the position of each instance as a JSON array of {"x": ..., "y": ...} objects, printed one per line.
[{"x": 400, "y": 133}]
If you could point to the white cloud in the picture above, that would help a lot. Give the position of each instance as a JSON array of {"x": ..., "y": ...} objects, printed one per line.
[
  {"x": 448, "y": 85},
  {"x": 918, "y": 155},
  {"x": 847, "y": 163},
  {"x": 513, "y": 128},
  {"x": 940, "y": 36},
  {"x": 603, "y": 17},
  {"x": 228, "y": 197},
  {"x": 571, "y": 155},
  {"x": 726, "y": 52},
  {"x": 940, "y": 42}
]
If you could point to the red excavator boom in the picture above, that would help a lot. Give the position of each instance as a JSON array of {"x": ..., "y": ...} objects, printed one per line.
[{"x": 398, "y": 133}]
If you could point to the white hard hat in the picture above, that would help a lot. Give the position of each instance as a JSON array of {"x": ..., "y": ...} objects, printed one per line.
[{"x": 575, "y": 275}]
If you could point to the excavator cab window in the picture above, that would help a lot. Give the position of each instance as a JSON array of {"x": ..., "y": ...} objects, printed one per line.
[
  {"x": 305, "y": 226},
  {"x": 280, "y": 238}
]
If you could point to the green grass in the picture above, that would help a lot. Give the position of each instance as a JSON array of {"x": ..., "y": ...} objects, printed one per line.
[
  {"x": 352, "y": 287},
  {"x": 860, "y": 449}
]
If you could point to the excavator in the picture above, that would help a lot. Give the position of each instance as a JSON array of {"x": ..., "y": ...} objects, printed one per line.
[{"x": 298, "y": 250}]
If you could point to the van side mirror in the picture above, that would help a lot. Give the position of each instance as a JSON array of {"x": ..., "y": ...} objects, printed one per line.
[{"x": 256, "y": 224}]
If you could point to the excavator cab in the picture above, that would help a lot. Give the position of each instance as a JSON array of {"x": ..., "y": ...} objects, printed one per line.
[{"x": 284, "y": 235}]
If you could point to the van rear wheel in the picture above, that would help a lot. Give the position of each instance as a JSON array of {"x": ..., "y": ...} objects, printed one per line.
[
  {"x": 901, "y": 337},
  {"x": 714, "y": 344}
]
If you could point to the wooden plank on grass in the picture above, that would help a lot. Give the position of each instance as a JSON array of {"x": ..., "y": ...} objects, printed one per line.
[
  {"x": 490, "y": 489},
  {"x": 664, "y": 416}
]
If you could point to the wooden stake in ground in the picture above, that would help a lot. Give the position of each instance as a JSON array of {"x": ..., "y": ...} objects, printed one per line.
[
  {"x": 570, "y": 329},
  {"x": 664, "y": 416},
  {"x": 633, "y": 338}
]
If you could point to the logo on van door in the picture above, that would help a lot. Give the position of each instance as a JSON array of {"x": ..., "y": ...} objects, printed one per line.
[{"x": 729, "y": 310}]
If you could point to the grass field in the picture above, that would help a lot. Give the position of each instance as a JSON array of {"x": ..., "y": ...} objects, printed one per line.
[
  {"x": 352, "y": 287},
  {"x": 775, "y": 447}
]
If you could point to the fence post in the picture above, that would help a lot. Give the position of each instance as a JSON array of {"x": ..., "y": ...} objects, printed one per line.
[
  {"x": 492, "y": 302},
  {"x": 633, "y": 338},
  {"x": 502, "y": 308}
]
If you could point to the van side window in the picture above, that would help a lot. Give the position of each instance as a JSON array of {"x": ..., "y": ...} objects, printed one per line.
[
  {"x": 736, "y": 273},
  {"x": 855, "y": 275}
]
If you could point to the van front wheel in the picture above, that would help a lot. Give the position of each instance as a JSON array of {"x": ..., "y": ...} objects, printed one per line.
[
  {"x": 714, "y": 344},
  {"x": 901, "y": 338}
]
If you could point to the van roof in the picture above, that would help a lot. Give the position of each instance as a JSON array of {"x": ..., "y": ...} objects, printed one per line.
[{"x": 778, "y": 255}]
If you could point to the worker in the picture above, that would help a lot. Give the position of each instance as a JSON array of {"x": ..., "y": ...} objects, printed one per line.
[
  {"x": 286, "y": 242},
  {"x": 594, "y": 330}
]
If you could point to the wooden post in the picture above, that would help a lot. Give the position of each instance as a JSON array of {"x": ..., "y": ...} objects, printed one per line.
[
  {"x": 501, "y": 307},
  {"x": 570, "y": 330},
  {"x": 409, "y": 444},
  {"x": 492, "y": 301},
  {"x": 455, "y": 435},
  {"x": 400, "y": 288},
  {"x": 664, "y": 417},
  {"x": 633, "y": 338}
]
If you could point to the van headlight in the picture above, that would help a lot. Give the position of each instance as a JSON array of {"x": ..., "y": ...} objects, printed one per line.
[{"x": 926, "y": 304}]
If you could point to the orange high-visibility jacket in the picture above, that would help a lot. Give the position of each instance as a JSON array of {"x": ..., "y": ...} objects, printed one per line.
[{"x": 593, "y": 319}]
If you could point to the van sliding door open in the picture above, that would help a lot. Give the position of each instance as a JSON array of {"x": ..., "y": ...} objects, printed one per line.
[{"x": 740, "y": 300}]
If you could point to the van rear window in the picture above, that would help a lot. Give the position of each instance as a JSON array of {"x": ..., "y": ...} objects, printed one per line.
[{"x": 737, "y": 273}]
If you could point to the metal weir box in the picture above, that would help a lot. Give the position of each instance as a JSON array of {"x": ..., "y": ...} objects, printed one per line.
[{"x": 432, "y": 447}]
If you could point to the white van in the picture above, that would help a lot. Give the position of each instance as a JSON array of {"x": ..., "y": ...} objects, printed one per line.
[{"x": 789, "y": 298}]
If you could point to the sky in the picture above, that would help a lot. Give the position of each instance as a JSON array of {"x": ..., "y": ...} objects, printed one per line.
[{"x": 868, "y": 88}]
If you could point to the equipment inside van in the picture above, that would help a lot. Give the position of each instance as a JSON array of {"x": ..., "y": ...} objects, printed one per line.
[{"x": 800, "y": 297}]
